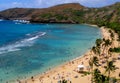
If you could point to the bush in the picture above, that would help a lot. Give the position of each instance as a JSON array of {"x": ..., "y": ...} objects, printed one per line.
[
  {"x": 61, "y": 17},
  {"x": 47, "y": 15},
  {"x": 114, "y": 49}
]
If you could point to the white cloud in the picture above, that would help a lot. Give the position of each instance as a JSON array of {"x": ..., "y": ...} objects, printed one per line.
[{"x": 16, "y": 4}]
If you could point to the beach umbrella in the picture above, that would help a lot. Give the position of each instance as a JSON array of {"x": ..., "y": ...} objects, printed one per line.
[{"x": 80, "y": 67}]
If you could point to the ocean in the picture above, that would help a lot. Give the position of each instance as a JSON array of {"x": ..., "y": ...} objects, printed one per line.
[{"x": 31, "y": 49}]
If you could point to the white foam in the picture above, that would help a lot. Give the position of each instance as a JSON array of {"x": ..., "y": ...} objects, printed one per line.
[
  {"x": 33, "y": 38},
  {"x": 22, "y": 21},
  {"x": 22, "y": 43}
]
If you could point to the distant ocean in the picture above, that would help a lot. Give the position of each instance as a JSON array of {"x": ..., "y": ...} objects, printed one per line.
[{"x": 30, "y": 49}]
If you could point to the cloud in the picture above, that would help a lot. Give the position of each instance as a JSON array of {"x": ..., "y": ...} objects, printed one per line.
[{"x": 16, "y": 4}]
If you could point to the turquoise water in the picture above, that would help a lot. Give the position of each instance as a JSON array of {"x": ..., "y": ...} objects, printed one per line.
[{"x": 30, "y": 49}]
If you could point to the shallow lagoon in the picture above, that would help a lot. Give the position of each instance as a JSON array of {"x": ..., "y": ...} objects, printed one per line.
[{"x": 31, "y": 49}]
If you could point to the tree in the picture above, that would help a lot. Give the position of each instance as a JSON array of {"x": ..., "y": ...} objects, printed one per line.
[
  {"x": 95, "y": 61},
  {"x": 98, "y": 42},
  {"x": 106, "y": 43},
  {"x": 97, "y": 76},
  {"x": 91, "y": 68},
  {"x": 92, "y": 62},
  {"x": 64, "y": 81},
  {"x": 98, "y": 46},
  {"x": 111, "y": 34},
  {"x": 110, "y": 68},
  {"x": 96, "y": 50}
]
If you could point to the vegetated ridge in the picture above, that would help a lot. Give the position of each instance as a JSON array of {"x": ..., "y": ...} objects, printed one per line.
[{"x": 65, "y": 13}]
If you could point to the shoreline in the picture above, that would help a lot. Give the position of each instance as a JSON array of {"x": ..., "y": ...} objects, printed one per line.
[
  {"x": 59, "y": 66},
  {"x": 55, "y": 68},
  {"x": 67, "y": 68}
]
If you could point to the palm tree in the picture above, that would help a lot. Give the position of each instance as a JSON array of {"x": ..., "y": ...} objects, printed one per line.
[
  {"x": 106, "y": 43},
  {"x": 98, "y": 46},
  {"x": 109, "y": 51},
  {"x": 111, "y": 34},
  {"x": 97, "y": 76},
  {"x": 110, "y": 68},
  {"x": 96, "y": 50},
  {"x": 98, "y": 42},
  {"x": 95, "y": 61},
  {"x": 64, "y": 81},
  {"x": 91, "y": 69},
  {"x": 92, "y": 62}
]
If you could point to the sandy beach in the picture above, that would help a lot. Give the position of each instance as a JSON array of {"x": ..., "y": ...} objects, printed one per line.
[{"x": 68, "y": 70}]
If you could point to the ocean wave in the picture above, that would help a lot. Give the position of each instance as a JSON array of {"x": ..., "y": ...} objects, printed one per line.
[{"x": 28, "y": 41}]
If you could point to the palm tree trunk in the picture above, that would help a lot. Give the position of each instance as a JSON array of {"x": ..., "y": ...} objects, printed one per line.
[
  {"x": 109, "y": 76},
  {"x": 92, "y": 76},
  {"x": 104, "y": 49}
]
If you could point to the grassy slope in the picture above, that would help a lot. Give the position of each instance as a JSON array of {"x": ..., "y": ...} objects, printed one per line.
[{"x": 71, "y": 13}]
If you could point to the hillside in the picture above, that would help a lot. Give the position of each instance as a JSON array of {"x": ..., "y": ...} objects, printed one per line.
[
  {"x": 37, "y": 14},
  {"x": 65, "y": 13}
]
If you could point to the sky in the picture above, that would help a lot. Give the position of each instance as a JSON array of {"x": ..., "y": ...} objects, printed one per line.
[{"x": 5, "y": 4}]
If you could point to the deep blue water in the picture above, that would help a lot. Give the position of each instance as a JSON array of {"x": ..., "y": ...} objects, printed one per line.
[{"x": 30, "y": 49}]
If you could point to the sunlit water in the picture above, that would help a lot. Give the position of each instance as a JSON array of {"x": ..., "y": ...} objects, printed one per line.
[{"x": 30, "y": 49}]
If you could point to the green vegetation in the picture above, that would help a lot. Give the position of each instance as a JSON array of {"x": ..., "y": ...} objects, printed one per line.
[
  {"x": 98, "y": 42},
  {"x": 61, "y": 17},
  {"x": 110, "y": 68},
  {"x": 85, "y": 73},
  {"x": 106, "y": 16},
  {"x": 114, "y": 49},
  {"x": 46, "y": 15},
  {"x": 98, "y": 77},
  {"x": 100, "y": 17},
  {"x": 111, "y": 34},
  {"x": 94, "y": 63},
  {"x": 64, "y": 81},
  {"x": 106, "y": 43},
  {"x": 58, "y": 17},
  {"x": 78, "y": 13},
  {"x": 113, "y": 25},
  {"x": 70, "y": 13}
]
